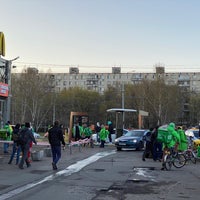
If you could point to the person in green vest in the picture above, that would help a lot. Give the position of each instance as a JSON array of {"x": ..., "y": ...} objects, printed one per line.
[
  {"x": 172, "y": 142},
  {"x": 183, "y": 139},
  {"x": 77, "y": 131},
  {"x": 8, "y": 137},
  {"x": 103, "y": 135},
  {"x": 87, "y": 133},
  {"x": 174, "y": 137}
]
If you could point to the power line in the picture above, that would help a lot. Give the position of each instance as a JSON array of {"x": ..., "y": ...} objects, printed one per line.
[{"x": 132, "y": 68}]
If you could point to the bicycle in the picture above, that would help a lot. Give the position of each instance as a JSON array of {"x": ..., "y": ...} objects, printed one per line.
[
  {"x": 190, "y": 155},
  {"x": 177, "y": 159}
]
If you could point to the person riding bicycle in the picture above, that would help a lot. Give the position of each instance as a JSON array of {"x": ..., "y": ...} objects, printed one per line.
[{"x": 171, "y": 144}]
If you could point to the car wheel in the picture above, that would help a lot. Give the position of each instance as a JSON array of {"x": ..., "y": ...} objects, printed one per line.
[
  {"x": 119, "y": 148},
  {"x": 140, "y": 147}
]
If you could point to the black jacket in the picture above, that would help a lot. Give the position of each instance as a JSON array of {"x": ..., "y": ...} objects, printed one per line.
[
  {"x": 55, "y": 136},
  {"x": 27, "y": 136}
]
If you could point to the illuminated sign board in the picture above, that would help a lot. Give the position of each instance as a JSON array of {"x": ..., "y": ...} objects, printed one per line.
[{"x": 3, "y": 89}]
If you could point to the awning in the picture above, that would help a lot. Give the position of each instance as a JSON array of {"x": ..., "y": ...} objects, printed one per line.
[{"x": 121, "y": 110}]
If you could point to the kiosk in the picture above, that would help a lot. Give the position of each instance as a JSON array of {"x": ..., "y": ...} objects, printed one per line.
[
  {"x": 119, "y": 115},
  {"x": 81, "y": 118}
]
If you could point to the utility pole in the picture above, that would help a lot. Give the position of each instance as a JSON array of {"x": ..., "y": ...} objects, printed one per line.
[
  {"x": 5, "y": 82},
  {"x": 123, "y": 113},
  {"x": 5, "y": 78},
  {"x": 8, "y": 81}
]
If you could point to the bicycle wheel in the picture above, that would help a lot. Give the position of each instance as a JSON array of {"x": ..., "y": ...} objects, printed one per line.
[
  {"x": 192, "y": 157},
  {"x": 167, "y": 162},
  {"x": 179, "y": 160}
]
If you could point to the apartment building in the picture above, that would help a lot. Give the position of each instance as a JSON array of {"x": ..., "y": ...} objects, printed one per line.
[{"x": 101, "y": 81}]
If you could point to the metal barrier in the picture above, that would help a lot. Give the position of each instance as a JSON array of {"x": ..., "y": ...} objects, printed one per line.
[{"x": 79, "y": 143}]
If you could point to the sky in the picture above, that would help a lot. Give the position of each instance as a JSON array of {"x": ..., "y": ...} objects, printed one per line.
[{"x": 96, "y": 35}]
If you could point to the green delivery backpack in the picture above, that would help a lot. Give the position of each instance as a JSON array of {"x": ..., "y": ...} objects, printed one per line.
[{"x": 163, "y": 135}]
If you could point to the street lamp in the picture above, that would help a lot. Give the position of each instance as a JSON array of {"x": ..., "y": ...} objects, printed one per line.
[{"x": 6, "y": 78}]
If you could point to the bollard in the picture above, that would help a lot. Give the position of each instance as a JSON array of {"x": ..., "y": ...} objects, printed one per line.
[
  {"x": 70, "y": 149},
  {"x": 37, "y": 155}
]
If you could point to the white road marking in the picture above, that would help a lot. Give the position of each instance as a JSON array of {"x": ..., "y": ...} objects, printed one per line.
[
  {"x": 66, "y": 172},
  {"x": 143, "y": 172}
]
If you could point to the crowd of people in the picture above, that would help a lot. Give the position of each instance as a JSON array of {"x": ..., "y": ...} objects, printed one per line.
[
  {"x": 23, "y": 138},
  {"x": 102, "y": 132},
  {"x": 157, "y": 144}
]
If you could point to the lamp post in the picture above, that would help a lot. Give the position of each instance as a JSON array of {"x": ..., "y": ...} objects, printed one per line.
[
  {"x": 53, "y": 96},
  {"x": 6, "y": 78},
  {"x": 123, "y": 113},
  {"x": 54, "y": 108}
]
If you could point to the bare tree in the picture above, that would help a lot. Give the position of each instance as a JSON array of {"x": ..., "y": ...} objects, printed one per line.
[{"x": 30, "y": 97}]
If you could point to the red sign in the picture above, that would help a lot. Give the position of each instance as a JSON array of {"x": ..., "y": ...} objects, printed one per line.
[{"x": 3, "y": 89}]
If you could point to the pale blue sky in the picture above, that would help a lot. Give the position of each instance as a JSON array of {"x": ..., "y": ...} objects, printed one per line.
[{"x": 133, "y": 34}]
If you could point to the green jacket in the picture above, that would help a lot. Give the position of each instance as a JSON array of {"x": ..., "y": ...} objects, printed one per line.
[
  {"x": 103, "y": 134},
  {"x": 87, "y": 131},
  {"x": 183, "y": 145},
  {"x": 174, "y": 134},
  {"x": 9, "y": 132},
  {"x": 80, "y": 130}
]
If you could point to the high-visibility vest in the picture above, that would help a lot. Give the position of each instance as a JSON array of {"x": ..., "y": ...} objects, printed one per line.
[{"x": 2, "y": 44}]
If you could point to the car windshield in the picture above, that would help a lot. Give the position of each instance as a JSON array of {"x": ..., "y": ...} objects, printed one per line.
[
  {"x": 196, "y": 134},
  {"x": 136, "y": 133}
]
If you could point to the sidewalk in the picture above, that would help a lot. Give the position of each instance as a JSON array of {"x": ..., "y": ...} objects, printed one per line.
[{"x": 12, "y": 177}]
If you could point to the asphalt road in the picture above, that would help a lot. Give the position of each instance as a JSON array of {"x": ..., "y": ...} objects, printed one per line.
[{"x": 98, "y": 174}]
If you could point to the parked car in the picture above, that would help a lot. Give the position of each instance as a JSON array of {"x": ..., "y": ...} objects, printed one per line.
[
  {"x": 36, "y": 135},
  {"x": 113, "y": 136},
  {"x": 133, "y": 139},
  {"x": 193, "y": 132},
  {"x": 193, "y": 136}
]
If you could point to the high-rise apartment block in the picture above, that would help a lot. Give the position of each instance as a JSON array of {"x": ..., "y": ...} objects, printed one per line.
[{"x": 99, "y": 82}]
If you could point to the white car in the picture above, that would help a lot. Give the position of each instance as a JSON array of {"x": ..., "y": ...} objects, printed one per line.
[
  {"x": 113, "y": 136},
  {"x": 94, "y": 138},
  {"x": 36, "y": 135},
  {"x": 192, "y": 132}
]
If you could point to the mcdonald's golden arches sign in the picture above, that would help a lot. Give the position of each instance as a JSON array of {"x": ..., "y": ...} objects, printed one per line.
[{"x": 2, "y": 44}]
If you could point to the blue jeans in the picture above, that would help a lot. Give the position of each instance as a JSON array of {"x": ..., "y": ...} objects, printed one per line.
[
  {"x": 16, "y": 149},
  {"x": 5, "y": 147},
  {"x": 56, "y": 153}
]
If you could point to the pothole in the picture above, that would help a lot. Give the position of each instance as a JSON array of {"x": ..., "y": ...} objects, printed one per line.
[
  {"x": 38, "y": 171},
  {"x": 137, "y": 180},
  {"x": 144, "y": 168},
  {"x": 2, "y": 187},
  {"x": 99, "y": 170}
]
